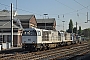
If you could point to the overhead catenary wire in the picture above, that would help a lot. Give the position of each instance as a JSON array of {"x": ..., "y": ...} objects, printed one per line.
[
  {"x": 29, "y": 11},
  {"x": 21, "y": 9},
  {"x": 64, "y": 4},
  {"x": 49, "y": 14},
  {"x": 84, "y": 7},
  {"x": 70, "y": 8},
  {"x": 81, "y": 4},
  {"x": 73, "y": 12}
]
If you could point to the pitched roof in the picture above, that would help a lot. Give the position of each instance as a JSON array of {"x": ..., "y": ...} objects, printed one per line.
[
  {"x": 50, "y": 20},
  {"x": 7, "y": 13},
  {"x": 6, "y": 20},
  {"x": 21, "y": 17},
  {"x": 7, "y": 24},
  {"x": 24, "y": 17},
  {"x": 3, "y": 18}
]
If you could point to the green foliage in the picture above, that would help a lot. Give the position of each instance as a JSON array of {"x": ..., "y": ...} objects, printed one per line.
[
  {"x": 79, "y": 31},
  {"x": 86, "y": 33},
  {"x": 70, "y": 26},
  {"x": 5, "y": 10},
  {"x": 74, "y": 30}
]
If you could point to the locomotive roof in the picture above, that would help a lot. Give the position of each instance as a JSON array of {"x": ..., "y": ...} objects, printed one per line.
[
  {"x": 32, "y": 28},
  {"x": 29, "y": 29}
]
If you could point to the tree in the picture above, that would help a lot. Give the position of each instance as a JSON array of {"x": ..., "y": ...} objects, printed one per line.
[
  {"x": 70, "y": 26},
  {"x": 86, "y": 32},
  {"x": 75, "y": 30},
  {"x": 79, "y": 31}
]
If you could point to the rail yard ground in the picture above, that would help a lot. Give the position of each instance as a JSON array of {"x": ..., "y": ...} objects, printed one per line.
[
  {"x": 83, "y": 56},
  {"x": 71, "y": 52}
]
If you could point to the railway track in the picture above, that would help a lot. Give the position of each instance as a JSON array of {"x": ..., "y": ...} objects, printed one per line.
[{"x": 57, "y": 53}]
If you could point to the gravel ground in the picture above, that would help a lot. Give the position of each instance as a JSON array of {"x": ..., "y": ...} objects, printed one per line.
[
  {"x": 79, "y": 57},
  {"x": 86, "y": 57}
]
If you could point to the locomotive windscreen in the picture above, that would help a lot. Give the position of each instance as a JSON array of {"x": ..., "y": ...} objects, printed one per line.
[{"x": 29, "y": 33}]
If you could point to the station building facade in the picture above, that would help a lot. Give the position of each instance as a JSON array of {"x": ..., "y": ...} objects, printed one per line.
[
  {"x": 21, "y": 22},
  {"x": 48, "y": 24}
]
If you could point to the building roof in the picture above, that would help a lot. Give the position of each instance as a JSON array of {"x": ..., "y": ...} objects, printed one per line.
[
  {"x": 5, "y": 19},
  {"x": 21, "y": 17},
  {"x": 24, "y": 17},
  {"x": 7, "y": 13},
  {"x": 49, "y": 20},
  {"x": 7, "y": 24}
]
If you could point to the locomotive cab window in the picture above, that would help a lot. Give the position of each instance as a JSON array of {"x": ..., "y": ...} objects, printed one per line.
[
  {"x": 38, "y": 33},
  {"x": 29, "y": 33}
]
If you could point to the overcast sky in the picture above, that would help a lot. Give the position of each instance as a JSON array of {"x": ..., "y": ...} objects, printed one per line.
[{"x": 61, "y": 10}]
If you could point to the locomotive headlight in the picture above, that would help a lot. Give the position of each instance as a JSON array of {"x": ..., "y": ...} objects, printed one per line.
[
  {"x": 33, "y": 42},
  {"x": 23, "y": 44}
]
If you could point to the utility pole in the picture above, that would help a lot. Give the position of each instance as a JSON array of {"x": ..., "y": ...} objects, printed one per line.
[
  {"x": 16, "y": 5},
  {"x": 87, "y": 18},
  {"x": 12, "y": 24},
  {"x": 63, "y": 22},
  {"x": 72, "y": 33},
  {"x": 63, "y": 25},
  {"x": 87, "y": 22},
  {"x": 76, "y": 28},
  {"x": 44, "y": 20}
]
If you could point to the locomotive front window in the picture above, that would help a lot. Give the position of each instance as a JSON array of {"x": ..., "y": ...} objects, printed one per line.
[
  {"x": 38, "y": 33},
  {"x": 29, "y": 33}
]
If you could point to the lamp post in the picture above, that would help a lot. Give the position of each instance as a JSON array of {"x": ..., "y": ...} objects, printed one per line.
[
  {"x": 72, "y": 33},
  {"x": 45, "y": 15},
  {"x": 12, "y": 24},
  {"x": 45, "y": 18},
  {"x": 87, "y": 18},
  {"x": 63, "y": 25},
  {"x": 16, "y": 5}
]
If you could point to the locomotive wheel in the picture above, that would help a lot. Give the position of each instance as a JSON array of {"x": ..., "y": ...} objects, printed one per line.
[{"x": 41, "y": 48}]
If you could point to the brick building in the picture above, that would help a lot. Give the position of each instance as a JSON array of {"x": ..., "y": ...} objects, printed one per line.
[
  {"x": 21, "y": 22},
  {"x": 49, "y": 24},
  {"x": 25, "y": 21}
]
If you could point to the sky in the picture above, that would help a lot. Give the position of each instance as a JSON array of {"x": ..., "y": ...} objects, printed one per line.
[{"x": 61, "y": 10}]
